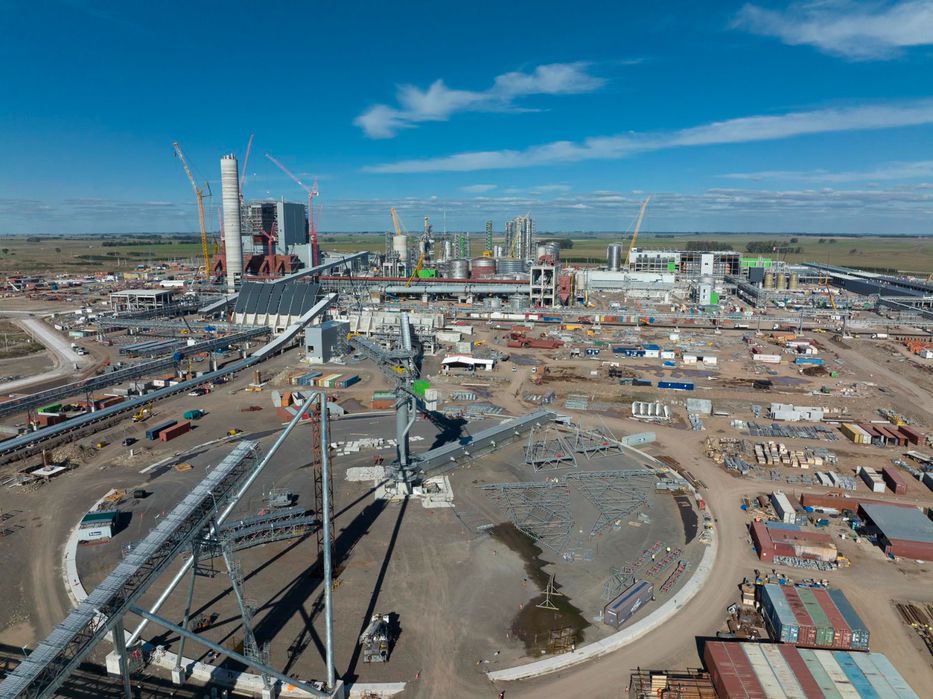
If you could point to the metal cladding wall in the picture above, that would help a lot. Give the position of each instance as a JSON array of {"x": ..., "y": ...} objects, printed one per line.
[{"x": 777, "y": 671}]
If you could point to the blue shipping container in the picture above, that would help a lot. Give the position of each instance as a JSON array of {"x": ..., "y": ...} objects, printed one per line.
[
  {"x": 621, "y": 609},
  {"x": 676, "y": 385},
  {"x": 809, "y": 360},
  {"x": 860, "y": 636},
  {"x": 153, "y": 433}
]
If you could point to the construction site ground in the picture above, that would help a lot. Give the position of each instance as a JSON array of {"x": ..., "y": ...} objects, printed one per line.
[{"x": 434, "y": 569}]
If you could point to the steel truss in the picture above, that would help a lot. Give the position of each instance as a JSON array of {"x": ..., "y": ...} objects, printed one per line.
[
  {"x": 595, "y": 442},
  {"x": 615, "y": 494},
  {"x": 540, "y": 510},
  {"x": 548, "y": 450}
]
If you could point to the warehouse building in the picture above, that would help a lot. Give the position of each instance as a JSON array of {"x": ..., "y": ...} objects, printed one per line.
[
  {"x": 780, "y": 539},
  {"x": 902, "y": 531},
  {"x": 766, "y": 670}
]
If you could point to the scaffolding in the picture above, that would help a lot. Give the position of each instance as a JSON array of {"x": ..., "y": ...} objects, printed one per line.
[{"x": 540, "y": 510}]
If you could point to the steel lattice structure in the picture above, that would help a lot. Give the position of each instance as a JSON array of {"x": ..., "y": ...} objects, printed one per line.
[
  {"x": 540, "y": 510},
  {"x": 615, "y": 494}
]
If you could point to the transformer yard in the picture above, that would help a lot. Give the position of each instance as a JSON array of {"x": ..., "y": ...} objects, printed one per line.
[{"x": 414, "y": 472}]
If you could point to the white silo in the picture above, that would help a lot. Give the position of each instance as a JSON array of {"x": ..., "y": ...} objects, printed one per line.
[{"x": 233, "y": 246}]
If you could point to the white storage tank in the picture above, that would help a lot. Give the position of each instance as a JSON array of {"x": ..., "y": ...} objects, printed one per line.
[
  {"x": 614, "y": 257},
  {"x": 458, "y": 269}
]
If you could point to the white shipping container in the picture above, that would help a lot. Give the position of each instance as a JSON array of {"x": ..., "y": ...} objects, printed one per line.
[{"x": 767, "y": 358}]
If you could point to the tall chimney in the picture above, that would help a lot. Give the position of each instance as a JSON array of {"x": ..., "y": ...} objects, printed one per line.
[{"x": 233, "y": 246}]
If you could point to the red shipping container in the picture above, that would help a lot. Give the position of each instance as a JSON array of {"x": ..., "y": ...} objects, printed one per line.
[
  {"x": 896, "y": 482},
  {"x": 842, "y": 636},
  {"x": 807, "y": 635},
  {"x": 174, "y": 431},
  {"x": 801, "y": 672},
  {"x": 913, "y": 436}
]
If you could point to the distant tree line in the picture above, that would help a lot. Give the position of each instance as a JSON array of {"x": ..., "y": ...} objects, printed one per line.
[
  {"x": 708, "y": 245},
  {"x": 772, "y": 246}
]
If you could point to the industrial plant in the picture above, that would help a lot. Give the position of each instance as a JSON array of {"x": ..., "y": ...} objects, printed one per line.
[{"x": 279, "y": 469}]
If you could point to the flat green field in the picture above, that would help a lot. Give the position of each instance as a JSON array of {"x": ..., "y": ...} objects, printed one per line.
[
  {"x": 19, "y": 255},
  {"x": 88, "y": 253}
]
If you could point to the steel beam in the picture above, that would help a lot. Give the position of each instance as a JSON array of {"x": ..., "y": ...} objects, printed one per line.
[{"x": 232, "y": 654}]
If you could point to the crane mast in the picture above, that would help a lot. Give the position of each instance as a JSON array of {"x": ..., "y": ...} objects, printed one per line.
[
  {"x": 199, "y": 193},
  {"x": 641, "y": 216}
]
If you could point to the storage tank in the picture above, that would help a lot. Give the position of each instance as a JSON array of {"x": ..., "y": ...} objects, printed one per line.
[
  {"x": 614, "y": 257},
  {"x": 769, "y": 280},
  {"x": 481, "y": 267},
  {"x": 794, "y": 281},
  {"x": 458, "y": 269},
  {"x": 549, "y": 249},
  {"x": 781, "y": 281},
  {"x": 233, "y": 245},
  {"x": 448, "y": 249},
  {"x": 498, "y": 251},
  {"x": 508, "y": 265},
  {"x": 400, "y": 246}
]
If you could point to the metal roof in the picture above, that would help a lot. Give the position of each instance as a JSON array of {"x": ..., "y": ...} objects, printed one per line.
[{"x": 906, "y": 523}]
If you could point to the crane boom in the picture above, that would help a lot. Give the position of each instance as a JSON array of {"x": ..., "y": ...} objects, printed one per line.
[
  {"x": 249, "y": 148},
  {"x": 641, "y": 216},
  {"x": 398, "y": 226},
  {"x": 199, "y": 193}
]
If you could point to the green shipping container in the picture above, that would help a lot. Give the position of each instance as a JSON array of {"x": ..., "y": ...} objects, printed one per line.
[
  {"x": 824, "y": 627},
  {"x": 53, "y": 408},
  {"x": 427, "y": 273},
  {"x": 194, "y": 414}
]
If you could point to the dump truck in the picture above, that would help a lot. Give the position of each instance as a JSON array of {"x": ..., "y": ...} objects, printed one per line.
[{"x": 374, "y": 641}]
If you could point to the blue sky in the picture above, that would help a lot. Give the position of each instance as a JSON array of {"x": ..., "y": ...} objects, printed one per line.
[{"x": 764, "y": 116}]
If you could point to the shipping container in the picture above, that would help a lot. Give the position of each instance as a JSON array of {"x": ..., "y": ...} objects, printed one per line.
[
  {"x": 854, "y": 433},
  {"x": 860, "y": 636},
  {"x": 842, "y": 633},
  {"x": 153, "y": 432},
  {"x": 346, "y": 381},
  {"x": 53, "y": 408},
  {"x": 806, "y": 635},
  {"x": 817, "y": 361},
  {"x": 621, "y": 609},
  {"x": 767, "y": 358},
  {"x": 778, "y": 615},
  {"x": 676, "y": 385},
  {"x": 169, "y": 433},
  {"x": 913, "y": 435},
  {"x": 193, "y": 414},
  {"x": 825, "y": 633}
]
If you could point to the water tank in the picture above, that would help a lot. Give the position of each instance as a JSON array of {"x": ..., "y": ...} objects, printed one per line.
[
  {"x": 508, "y": 265},
  {"x": 769, "y": 280},
  {"x": 614, "y": 257},
  {"x": 458, "y": 269},
  {"x": 482, "y": 267},
  {"x": 781, "y": 281},
  {"x": 794, "y": 281},
  {"x": 498, "y": 250}
]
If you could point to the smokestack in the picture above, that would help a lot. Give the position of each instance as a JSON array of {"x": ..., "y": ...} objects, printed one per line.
[{"x": 233, "y": 247}]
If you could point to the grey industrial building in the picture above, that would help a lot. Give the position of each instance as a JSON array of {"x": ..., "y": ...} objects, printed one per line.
[
  {"x": 290, "y": 221},
  {"x": 140, "y": 299}
]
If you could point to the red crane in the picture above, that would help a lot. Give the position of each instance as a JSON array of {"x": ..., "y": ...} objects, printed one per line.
[
  {"x": 312, "y": 227},
  {"x": 270, "y": 241}
]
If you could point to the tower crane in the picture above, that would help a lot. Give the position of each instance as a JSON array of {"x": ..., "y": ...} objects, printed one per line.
[
  {"x": 312, "y": 228},
  {"x": 641, "y": 216},
  {"x": 199, "y": 193}
]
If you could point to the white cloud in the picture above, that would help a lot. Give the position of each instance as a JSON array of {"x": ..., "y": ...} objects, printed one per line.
[
  {"x": 478, "y": 188},
  {"x": 886, "y": 172},
  {"x": 858, "y": 31},
  {"x": 740, "y": 130},
  {"x": 439, "y": 102}
]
